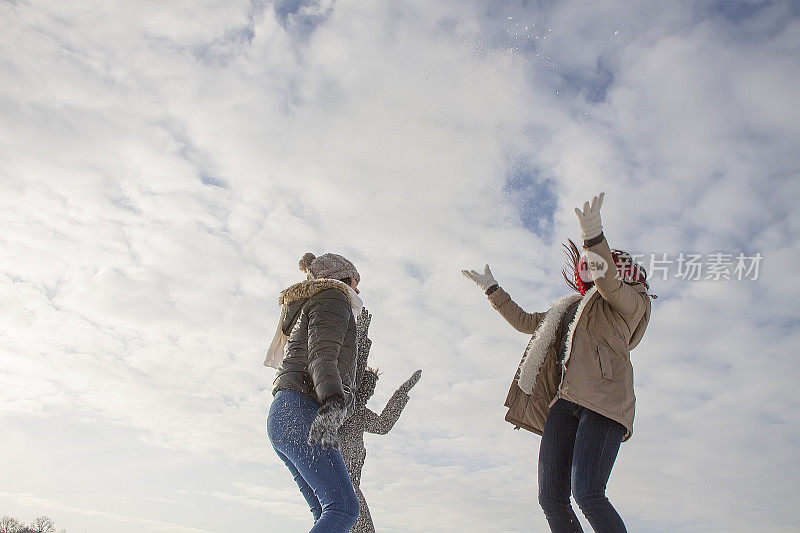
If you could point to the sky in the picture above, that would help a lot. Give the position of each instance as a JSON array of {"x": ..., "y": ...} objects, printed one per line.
[{"x": 164, "y": 166}]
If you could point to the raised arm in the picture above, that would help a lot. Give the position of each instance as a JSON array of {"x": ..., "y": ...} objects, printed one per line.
[
  {"x": 513, "y": 313},
  {"x": 626, "y": 300},
  {"x": 364, "y": 344},
  {"x": 500, "y": 300},
  {"x": 383, "y": 423}
]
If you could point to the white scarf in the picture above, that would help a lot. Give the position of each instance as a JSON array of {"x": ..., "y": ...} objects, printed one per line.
[{"x": 277, "y": 349}]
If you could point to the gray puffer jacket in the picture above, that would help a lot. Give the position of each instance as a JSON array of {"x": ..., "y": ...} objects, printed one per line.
[{"x": 321, "y": 350}]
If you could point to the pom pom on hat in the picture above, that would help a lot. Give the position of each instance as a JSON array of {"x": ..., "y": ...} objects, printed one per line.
[{"x": 305, "y": 262}]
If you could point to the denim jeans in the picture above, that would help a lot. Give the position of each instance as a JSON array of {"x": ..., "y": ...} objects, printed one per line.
[
  {"x": 578, "y": 450},
  {"x": 320, "y": 474}
]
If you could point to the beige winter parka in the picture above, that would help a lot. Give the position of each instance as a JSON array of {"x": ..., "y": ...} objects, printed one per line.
[{"x": 610, "y": 321}]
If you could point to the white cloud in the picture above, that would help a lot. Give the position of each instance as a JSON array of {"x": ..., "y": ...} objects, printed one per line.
[{"x": 163, "y": 168}]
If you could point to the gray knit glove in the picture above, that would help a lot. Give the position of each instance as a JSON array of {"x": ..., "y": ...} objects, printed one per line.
[
  {"x": 484, "y": 280},
  {"x": 589, "y": 218},
  {"x": 325, "y": 427}
]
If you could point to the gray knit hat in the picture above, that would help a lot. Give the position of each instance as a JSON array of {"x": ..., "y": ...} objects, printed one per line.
[{"x": 331, "y": 266}]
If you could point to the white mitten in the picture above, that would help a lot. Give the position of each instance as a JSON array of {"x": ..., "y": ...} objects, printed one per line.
[
  {"x": 484, "y": 280},
  {"x": 589, "y": 218}
]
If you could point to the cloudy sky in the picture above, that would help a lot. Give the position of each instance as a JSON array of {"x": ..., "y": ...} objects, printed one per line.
[{"x": 163, "y": 167}]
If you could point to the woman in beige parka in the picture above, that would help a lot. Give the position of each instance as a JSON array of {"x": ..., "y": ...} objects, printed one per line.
[{"x": 574, "y": 386}]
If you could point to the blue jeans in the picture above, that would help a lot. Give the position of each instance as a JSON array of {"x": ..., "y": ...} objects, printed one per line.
[
  {"x": 320, "y": 474},
  {"x": 578, "y": 450}
]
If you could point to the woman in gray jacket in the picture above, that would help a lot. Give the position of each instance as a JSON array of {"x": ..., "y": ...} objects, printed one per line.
[
  {"x": 574, "y": 385},
  {"x": 315, "y": 354}
]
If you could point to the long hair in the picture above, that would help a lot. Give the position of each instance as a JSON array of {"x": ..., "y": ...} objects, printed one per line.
[{"x": 570, "y": 270}]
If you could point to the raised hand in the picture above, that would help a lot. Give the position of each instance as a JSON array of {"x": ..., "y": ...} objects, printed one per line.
[
  {"x": 325, "y": 427},
  {"x": 589, "y": 218},
  {"x": 410, "y": 382},
  {"x": 484, "y": 281}
]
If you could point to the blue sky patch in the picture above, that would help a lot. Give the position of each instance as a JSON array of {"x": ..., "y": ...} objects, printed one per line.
[
  {"x": 533, "y": 197},
  {"x": 214, "y": 182}
]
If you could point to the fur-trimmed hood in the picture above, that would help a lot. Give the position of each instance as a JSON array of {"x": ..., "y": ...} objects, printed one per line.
[
  {"x": 307, "y": 289},
  {"x": 545, "y": 336},
  {"x": 292, "y": 300}
]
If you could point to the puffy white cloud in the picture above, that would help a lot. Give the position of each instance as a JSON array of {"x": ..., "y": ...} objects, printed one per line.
[{"x": 163, "y": 168}]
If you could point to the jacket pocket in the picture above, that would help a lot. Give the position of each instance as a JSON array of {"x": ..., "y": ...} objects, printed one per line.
[{"x": 604, "y": 357}]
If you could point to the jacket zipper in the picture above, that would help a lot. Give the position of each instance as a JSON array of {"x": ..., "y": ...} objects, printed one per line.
[{"x": 559, "y": 392}]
